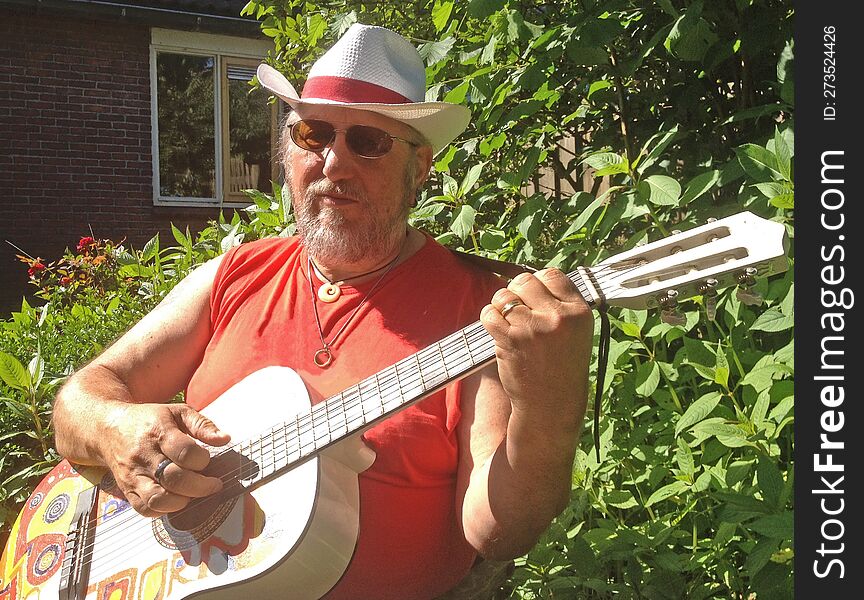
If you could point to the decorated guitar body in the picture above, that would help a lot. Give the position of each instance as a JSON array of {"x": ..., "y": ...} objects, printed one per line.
[
  {"x": 253, "y": 538},
  {"x": 286, "y": 523}
]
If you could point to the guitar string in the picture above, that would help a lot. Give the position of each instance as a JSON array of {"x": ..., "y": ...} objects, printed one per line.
[
  {"x": 348, "y": 400},
  {"x": 309, "y": 420},
  {"x": 353, "y": 398},
  {"x": 289, "y": 447},
  {"x": 294, "y": 446}
]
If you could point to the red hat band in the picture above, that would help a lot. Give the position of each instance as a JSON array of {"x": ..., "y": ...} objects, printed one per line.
[{"x": 343, "y": 89}]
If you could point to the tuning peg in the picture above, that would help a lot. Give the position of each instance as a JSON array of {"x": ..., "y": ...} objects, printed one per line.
[
  {"x": 745, "y": 293},
  {"x": 668, "y": 302},
  {"x": 708, "y": 289},
  {"x": 672, "y": 317}
]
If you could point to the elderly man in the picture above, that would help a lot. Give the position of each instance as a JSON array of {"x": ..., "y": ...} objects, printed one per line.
[{"x": 479, "y": 467}]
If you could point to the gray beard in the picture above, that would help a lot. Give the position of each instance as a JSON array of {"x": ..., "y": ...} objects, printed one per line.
[{"x": 330, "y": 238}]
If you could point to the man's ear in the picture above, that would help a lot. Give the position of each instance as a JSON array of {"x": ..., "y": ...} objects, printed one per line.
[{"x": 424, "y": 165}]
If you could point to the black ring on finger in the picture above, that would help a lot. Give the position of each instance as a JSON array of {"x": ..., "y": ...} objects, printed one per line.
[{"x": 160, "y": 470}]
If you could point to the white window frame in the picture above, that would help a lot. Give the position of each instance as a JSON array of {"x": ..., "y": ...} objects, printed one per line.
[{"x": 221, "y": 47}]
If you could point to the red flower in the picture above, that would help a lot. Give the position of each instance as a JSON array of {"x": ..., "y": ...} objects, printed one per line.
[
  {"x": 36, "y": 268},
  {"x": 85, "y": 243},
  {"x": 65, "y": 280}
]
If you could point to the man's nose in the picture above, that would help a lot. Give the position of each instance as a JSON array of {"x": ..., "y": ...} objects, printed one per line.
[{"x": 339, "y": 160}]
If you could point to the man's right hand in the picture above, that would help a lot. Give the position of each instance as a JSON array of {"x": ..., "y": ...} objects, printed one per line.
[{"x": 140, "y": 436}]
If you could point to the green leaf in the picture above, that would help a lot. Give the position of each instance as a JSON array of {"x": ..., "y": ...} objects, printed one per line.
[
  {"x": 181, "y": 239},
  {"x": 773, "y": 320},
  {"x": 587, "y": 56},
  {"x": 491, "y": 143},
  {"x": 630, "y": 329},
  {"x": 730, "y": 436},
  {"x": 698, "y": 352},
  {"x": 778, "y": 526},
  {"x": 13, "y": 373},
  {"x": 580, "y": 221},
  {"x": 666, "y": 491},
  {"x": 783, "y": 151},
  {"x": 772, "y": 189},
  {"x": 684, "y": 458},
  {"x": 481, "y": 9},
  {"x": 691, "y": 36},
  {"x": 620, "y": 499},
  {"x": 698, "y": 411},
  {"x": 770, "y": 481},
  {"x": 530, "y": 218},
  {"x": 754, "y": 113},
  {"x": 451, "y": 186},
  {"x": 647, "y": 378},
  {"x": 654, "y": 148},
  {"x": 759, "y": 162},
  {"x": 491, "y": 239},
  {"x": 435, "y": 52},
  {"x": 516, "y": 28},
  {"x": 441, "y": 14},
  {"x": 721, "y": 368},
  {"x": 463, "y": 222},
  {"x": 597, "y": 86},
  {"x": 471, "y": 178},
  {"x": 36, "y": 369},
  {"x": 762, "y": 377},
  {"x": 316, "y": 26},
  {"x": 699, "y": 185},
  {"x": 660, "y": 190},
  {"x": 602, "y": 160},
  {"x": 151, "y": 248}
]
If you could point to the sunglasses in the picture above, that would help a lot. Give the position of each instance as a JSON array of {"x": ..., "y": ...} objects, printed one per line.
[{"x": 362, "y": 140}]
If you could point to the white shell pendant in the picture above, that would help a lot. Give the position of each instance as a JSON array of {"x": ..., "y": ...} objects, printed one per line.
[{"x": 329, "y": 292}]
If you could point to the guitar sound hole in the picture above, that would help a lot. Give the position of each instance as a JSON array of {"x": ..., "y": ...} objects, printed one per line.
[{"x": 202, "y": 516}]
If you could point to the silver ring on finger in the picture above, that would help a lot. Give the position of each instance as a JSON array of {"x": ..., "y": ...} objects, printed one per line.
[
  {"x": 160, "y": 470},
  {"x": 505, "y": 310}
]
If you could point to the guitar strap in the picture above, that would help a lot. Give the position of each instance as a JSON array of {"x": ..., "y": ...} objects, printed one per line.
[{"x": 509, "y": 271}]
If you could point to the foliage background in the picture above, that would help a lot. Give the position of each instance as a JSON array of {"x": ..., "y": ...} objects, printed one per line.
[{"x": 596, "y": 126}]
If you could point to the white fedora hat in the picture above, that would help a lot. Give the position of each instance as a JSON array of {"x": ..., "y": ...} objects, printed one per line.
[{"x": 375, "y": 69}]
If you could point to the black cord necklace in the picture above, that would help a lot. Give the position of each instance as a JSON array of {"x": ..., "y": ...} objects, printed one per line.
[
  {"x": 324, "y": 356},
  {"x": 330, "y": 290}
]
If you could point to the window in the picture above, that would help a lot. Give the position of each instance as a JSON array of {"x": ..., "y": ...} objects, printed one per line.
[{"x": 213, "y": 136}]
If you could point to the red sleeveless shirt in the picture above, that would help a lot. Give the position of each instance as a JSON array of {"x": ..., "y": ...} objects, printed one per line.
[{"x": 410, "y": 544}]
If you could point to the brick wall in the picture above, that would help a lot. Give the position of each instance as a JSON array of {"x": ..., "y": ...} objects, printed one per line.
[{"x": 74, "y": 141}]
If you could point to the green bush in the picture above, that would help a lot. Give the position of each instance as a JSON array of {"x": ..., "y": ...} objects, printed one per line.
[{"x": 680, "y": 111}]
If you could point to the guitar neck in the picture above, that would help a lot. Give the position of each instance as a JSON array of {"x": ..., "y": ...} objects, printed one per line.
[{"x": 377, "y": 397}]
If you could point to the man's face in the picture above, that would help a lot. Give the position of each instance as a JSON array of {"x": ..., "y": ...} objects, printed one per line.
[{"x": 348, "y": 208}]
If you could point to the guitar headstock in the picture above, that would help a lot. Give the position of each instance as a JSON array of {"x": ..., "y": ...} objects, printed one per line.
[{"x": 726, "y": 252}]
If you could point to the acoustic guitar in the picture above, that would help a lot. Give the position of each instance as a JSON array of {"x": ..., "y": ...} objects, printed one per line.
[{"x": 286, "y": 523}]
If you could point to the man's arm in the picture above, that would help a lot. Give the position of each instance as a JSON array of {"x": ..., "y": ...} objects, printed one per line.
[
  {"x": 114, "y": 412},
  {"x": 522, "y": 415}
]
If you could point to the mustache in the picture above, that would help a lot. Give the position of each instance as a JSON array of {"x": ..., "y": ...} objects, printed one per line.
[{"x": 325, "y": 187}]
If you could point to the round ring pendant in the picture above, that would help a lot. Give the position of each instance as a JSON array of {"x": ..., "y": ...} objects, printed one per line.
[
  {"x": 323, "y": 357},
  {"x": 329, "y": 292}
]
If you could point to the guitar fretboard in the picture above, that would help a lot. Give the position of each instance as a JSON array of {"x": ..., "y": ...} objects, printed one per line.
[{"x": 375, "y": 398}]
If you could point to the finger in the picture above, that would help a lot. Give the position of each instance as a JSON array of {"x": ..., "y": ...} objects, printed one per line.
[
  {"x": 559, "y": 284},
  {"x": 188, "y": 483},
  {"x": 200, "y": 427},
  {"x": 505, "y": 300},
  {"x": 152, "y": 500},
  {"x": 181, "y": 445},
  {"x": 163, "y": 501},
  {"x": 183, "y": 450},
  {"x": 544, "y": 289}
]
